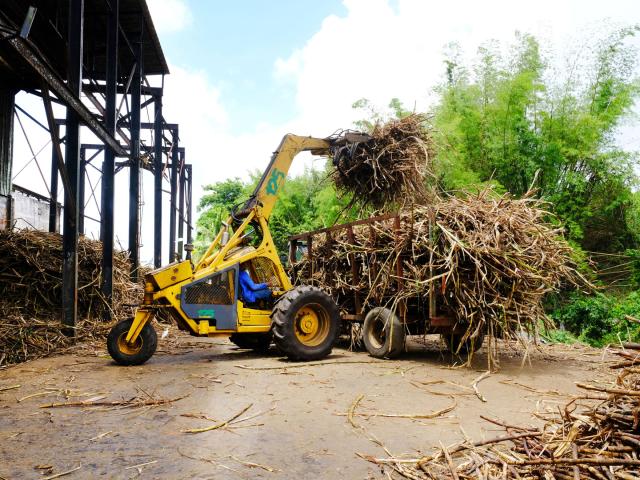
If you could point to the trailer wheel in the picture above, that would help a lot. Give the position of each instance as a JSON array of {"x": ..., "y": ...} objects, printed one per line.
[
  {"x": 125, "y": 354},
  {"x": 383, "y": 333},
  {"x": 305, "y": 323},
  {"x": 455, "y": 344},
  {"x": 258, "y": 342}
]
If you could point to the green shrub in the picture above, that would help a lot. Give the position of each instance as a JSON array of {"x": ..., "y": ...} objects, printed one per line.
[
  {"x": 634, "y": 258},
  {"x": 560, "y": 336},
  {"x": 600, "y": 319}
]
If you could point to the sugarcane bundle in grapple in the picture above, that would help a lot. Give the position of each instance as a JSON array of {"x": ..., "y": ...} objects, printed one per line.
[{"x": 389, "y": 166}]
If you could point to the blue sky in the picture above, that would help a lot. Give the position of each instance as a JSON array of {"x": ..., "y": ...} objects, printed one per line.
[
  {"x": 237, "y": 42},
  {"x": 246, "y": 72}
]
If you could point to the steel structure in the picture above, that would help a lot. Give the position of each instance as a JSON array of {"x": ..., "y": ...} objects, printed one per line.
[{"x": 93, "y": 57}]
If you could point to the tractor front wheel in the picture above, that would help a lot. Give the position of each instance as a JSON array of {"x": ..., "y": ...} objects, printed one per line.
[
  {"x": 131, "y": 354},
  {"x": 305, "y": 323}
]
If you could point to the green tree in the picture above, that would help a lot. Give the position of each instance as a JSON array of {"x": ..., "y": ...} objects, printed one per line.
[
  {"x": 214, "y": 207},
  {"x": 511, "y": 122},
  {"x": 306, "y": 202},
  {"x": 374, "y": 115}
]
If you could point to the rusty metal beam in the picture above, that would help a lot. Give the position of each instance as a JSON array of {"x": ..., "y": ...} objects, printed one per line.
[
  {"x": 174, "y": 191},
  {"x": 157, "y": 184},
  {"x": 134, "y": 170},
  {"x": 23, "y": 48},
  {"x": 366, "y": 221},
  {"x": 189, "y": 200},
  {"x": 55, "y": 141},
  {"x": 108, "y": 165},
  {"x": 144, "y": 90}
]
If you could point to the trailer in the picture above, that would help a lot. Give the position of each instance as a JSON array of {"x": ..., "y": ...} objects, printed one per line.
[{"x": 385, "y": 320}]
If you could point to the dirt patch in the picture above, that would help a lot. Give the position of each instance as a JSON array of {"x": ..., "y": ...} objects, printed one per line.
[{"x": 295, "y": 423}]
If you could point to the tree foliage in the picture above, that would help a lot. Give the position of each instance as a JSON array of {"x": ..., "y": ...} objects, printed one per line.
[
  {"x": 512, "y": 119},
  {"x": 214, "y": 207},
  {"x": 601, "y": 319},
  {"x": 306, "y": 202},
  {"x": 509, "y": 120}
]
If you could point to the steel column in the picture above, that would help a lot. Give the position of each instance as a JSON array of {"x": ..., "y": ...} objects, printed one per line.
[
  {"x": 108, "y": 165},
  {"x": 157, "y": 184},
  {"x": 81, "y": 183},
  {"x": 53, "y": 203},
  {"x": 134, "y": 170},
  {"x": 7, "y": 103},
  {"x": 181, "y": 218},
  {"x": 189, "y": 209},
  {"x": 72, "y": 157},
  {"x": 174, "y": 191}
]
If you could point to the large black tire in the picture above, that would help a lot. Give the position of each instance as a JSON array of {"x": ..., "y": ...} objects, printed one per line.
[
  {"x": 305, "y": 323},
  {"x": 455, "y": 344},
  {"x": 258, "y": 342},
  {"x": 124, "y": 354},
  {"x": 383, "y": 333}
]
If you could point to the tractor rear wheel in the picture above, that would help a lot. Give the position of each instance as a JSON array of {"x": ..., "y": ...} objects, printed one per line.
[
  {"x": 136, "y": 354},
  {"x": 258, "y": 342},
  {"x": 305, "y": 323},
  {"x": 383, "y": 333}
]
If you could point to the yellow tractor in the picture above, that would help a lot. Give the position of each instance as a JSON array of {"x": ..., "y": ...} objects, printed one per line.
[{"x": 208, "y": 299}]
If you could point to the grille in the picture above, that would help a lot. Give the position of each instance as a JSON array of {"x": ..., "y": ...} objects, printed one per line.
[{"x": 215, "y": 290}]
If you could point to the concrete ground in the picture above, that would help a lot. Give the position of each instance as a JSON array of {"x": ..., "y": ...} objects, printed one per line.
[{"x": 289, "y": 419}]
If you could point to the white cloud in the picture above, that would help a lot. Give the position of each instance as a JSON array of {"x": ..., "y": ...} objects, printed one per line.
[
  {"x": 379, "y": 52},
  {"x": 288, "y": 69},
  {"x": 195, "y": 103},
  {"x": 191, "y": 100},
  {"x": 170, "y": 15},
  {"x": 216, "y": 153}
]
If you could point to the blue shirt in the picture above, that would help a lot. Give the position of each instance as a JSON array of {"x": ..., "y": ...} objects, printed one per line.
[{"x": 249, "y": 287}]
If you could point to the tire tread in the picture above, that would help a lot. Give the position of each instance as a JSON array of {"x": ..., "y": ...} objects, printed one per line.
[{"x": 282, "y": 324}]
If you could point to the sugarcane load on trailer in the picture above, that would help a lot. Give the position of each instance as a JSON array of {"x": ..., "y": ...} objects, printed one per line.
[
  {"x": 373, "y": 289},
  {"x": 237, "y": 290}
]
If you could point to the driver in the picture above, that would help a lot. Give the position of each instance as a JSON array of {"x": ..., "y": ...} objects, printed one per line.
[{"x": 251, "y": 291}]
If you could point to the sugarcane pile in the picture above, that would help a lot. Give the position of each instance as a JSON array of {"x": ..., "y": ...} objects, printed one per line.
[
  {"x": 596, "y": 441},
  {"x": 491, "y": 259},
  {"x": 31, "y": 286},
  {"x": 390, "y": 167}
]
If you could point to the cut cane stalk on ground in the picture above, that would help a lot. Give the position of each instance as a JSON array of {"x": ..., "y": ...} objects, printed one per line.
[{"x": 577, "y": 442}]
